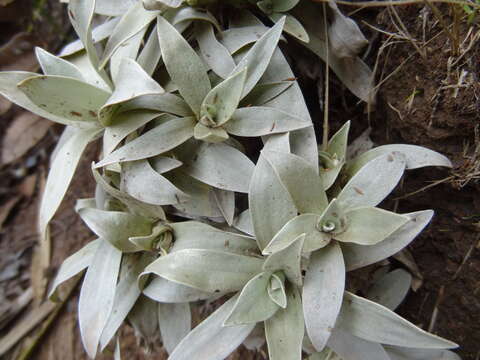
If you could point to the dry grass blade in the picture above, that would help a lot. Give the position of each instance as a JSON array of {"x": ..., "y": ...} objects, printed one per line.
[
  {"x": 26, "y": 325},
  {"x": 404, "y": 31},
  {"x": 6, "y": 209},
  {"x": 25, "y": 132},
  {"x": 41, "y": 259},
  {"x": 439, "y": 16},
  {"x": 32, "y": 320},
  {"x": 11, "y": 310},
  {"x": 433, "y": 320}
]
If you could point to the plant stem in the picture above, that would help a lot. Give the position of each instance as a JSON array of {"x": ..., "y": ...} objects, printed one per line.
[{"x": 327, "y": 78}]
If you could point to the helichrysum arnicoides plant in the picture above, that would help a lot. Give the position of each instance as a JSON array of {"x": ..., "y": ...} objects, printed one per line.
[{"x": 185, "y": 211}]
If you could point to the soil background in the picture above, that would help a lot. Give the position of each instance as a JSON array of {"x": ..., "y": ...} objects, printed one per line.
[{"x": 428, "y": 95}]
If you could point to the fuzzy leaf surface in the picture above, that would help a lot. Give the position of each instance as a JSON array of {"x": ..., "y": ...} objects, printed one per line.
[
  {"x": 154, "y": 142},
  {"x": 415, "y": 156},
  {"x": 288, "y": 260},
  {"x": 215, "y": 54},
  {"x": 164, "y": 291},
  {"x": 373, "y": 322},
  {"x": 206, "y": 270},
  {"x": 210, "y": 340},
  {"x": 96, "y": 302},
  {"x": 357, "y": 256},
  {"x": 285, "y": 330},
  {"x": 270, "y": 205},
  {"x": 373, "y": 182},
  {"x": 350, "y": 347},
  {"x": 300, "y": 179},
  {"x": 391, "y": 289},
  {"x": 53, "y": 65},
  {"x": 143, "y": 183},
  {"x": 126, "y": 293},
  {"x": 116, "y": 227},
  {"x": 224, "y": 98},
  {"x": 132, "y": 22},
  {"x": 73, "y": 265},
  {"x": 337, "y": 149},
  {"x": 258, "y": 57},
  {"x": 78, "y": 101},
  {"x": 302, "y": 224},
  {"x": 253, "y": 304},
  {"x": 370, "y": 225},
  {"x": 260, "y": 121},
  {"x": 220, "y": 166},
  {"x": 403, "y": 353},
  {"x": 175, "y": 322},
  {"x": 197, "y": 235},
  {"x": 124, "y": 125},
  {"x": 323, "y": 293},
  {"x": 61, "y": 173},
  {"x": 276, "y": 290},
  {"x": 183, "y": 64}
]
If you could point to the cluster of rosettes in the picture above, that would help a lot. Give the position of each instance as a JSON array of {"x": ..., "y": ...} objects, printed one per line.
[{"x": 211, "y": 185}]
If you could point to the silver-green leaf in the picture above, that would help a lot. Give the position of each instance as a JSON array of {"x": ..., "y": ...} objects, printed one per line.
[
  {"x": 53, "y": 65},
  {"x": 175, "y": 322},
  {"x": 300, "y": 180},
  {"x": 260, "y": 121},
  {"x": 61, "y": 173},
  {"x": 323, "y": 293},
  {"x": 373, "y": 182},
  {"x": 370, "y": 225},
  {"x": 258, "y": 57},
  {"x": 350, "y": 347},
  {"x": 220, "y": 166},
  {"x": 206, "y": 270},
  {"x": 116, "y": 227},
  {"x": 415, "y": 157},
  {"x": 78, "y": 101},
  {"x": 376, "y": 323},
  {"x": 183, "y": 64},
  {"x": 197, "y": 235},
  {"x": 288, "y": 260},
  {"x": 303, "y": 224},
  {"x": 222, "y": 101},
  {"x": 211, "y": 340},
  {"x": 270, "y": 205},
  {"x": 73, "y": 265},
  {"x": 253, "y": 304},
  {"x": 96, "y": 302},
  {"x": 132, "y": 22},
  {"x": 390, "y": 290},
  {"x": 357, "y": 256},
  {"x": 143, "y": 183},
  {"x": 285, "y": 330},
  {"x": 154, "y": 142},
  {"x": 164, "y": 291}
]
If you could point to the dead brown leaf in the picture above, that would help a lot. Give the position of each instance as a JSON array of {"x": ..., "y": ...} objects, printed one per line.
[
  {"x": 41, "y": 257},
  {"x": 5, "y": 105},
  {"x": 23, "y": 327},
  {"x": 18, "y": 54},
  {"x": 6, "y": 208},
  {"x": 38, "y": 269},
  {"x": 27, "y": 187},
  {"x": 10, "y": 309},
  {"x": 24, "y": 133}
]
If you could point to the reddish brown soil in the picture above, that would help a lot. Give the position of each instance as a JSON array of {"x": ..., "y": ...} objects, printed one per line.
[{"x": 448, "y": 252}]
